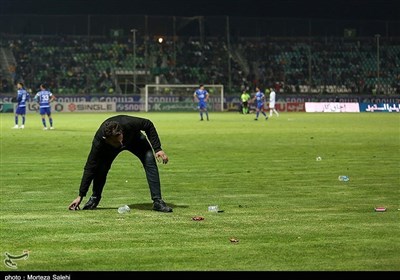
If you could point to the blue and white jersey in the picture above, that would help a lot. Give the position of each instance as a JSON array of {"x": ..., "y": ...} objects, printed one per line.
[
  {"x": 260, "y": 97},
  {"x": 22, "y": 97},
  {"x": 43, "y": 97},
  {"x": 201, "y": 94}
]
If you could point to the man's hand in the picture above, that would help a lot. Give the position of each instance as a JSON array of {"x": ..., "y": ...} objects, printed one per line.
[
  {"x": 75, "y": 203},
  {"x": 162, "y": 157}
]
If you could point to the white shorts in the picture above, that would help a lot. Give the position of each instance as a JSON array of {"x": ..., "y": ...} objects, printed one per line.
[{"x": 272, "y": 105}]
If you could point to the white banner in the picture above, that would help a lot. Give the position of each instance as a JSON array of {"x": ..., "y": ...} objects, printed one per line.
[
  {"x": 331, "y": 107},
  {"x": 73, "y": 107}
]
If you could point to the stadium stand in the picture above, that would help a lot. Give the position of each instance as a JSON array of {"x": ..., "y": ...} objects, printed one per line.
[{"x": 296, "y": 64}]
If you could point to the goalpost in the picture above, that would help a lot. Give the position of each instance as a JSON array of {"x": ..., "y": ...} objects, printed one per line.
[{"x": 166, "y": 97}]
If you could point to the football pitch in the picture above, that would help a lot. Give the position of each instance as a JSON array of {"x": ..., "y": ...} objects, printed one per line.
[{"x": 284, "y": 206}]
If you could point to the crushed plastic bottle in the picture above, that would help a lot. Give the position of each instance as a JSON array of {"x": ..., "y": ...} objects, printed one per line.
[
  {"x": 213, "y": 208},
  {"x": 124, "y": 209},
  {"x": 343, "y": 178}
]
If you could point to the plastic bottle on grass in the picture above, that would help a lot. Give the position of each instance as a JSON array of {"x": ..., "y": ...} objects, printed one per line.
[
  {"x": 213, "y": 208},
  {"x": 124, "y": 209},
  {"x": 343, "y": 178}
]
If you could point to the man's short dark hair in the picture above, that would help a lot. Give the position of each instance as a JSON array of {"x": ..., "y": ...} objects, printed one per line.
[{"x": 112, "y": 128}]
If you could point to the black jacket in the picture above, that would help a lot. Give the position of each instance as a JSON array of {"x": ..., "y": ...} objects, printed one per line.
[{"x": 101, "y": 152}]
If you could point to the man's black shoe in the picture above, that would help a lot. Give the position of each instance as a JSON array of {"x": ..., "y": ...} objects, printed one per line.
[
  {"x": 159, "y": 205},
  {"x": 92, "y": 203}
]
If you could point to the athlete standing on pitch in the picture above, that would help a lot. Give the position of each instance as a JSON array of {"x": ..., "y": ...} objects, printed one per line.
[
  {"x": 44, "y": 97},
  {"x": 272, "y": 99},
  {"x": 22, "y": 98},
  {"x": 245, "y": 97},
  {"x": 201, "y": 96},
  {"x": 260, "y": 99}
]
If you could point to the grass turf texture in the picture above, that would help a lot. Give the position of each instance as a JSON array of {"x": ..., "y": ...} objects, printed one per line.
[{"x": 288, "y": 210}]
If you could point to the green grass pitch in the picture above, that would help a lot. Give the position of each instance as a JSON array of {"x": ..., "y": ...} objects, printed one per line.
[{"x": 288, "y": 210}]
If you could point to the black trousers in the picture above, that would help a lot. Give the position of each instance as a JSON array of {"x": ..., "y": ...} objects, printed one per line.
[{"x": 143, "y": 150}]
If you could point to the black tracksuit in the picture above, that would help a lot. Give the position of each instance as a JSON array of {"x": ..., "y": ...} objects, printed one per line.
[{"x": 102, "y": 154}]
